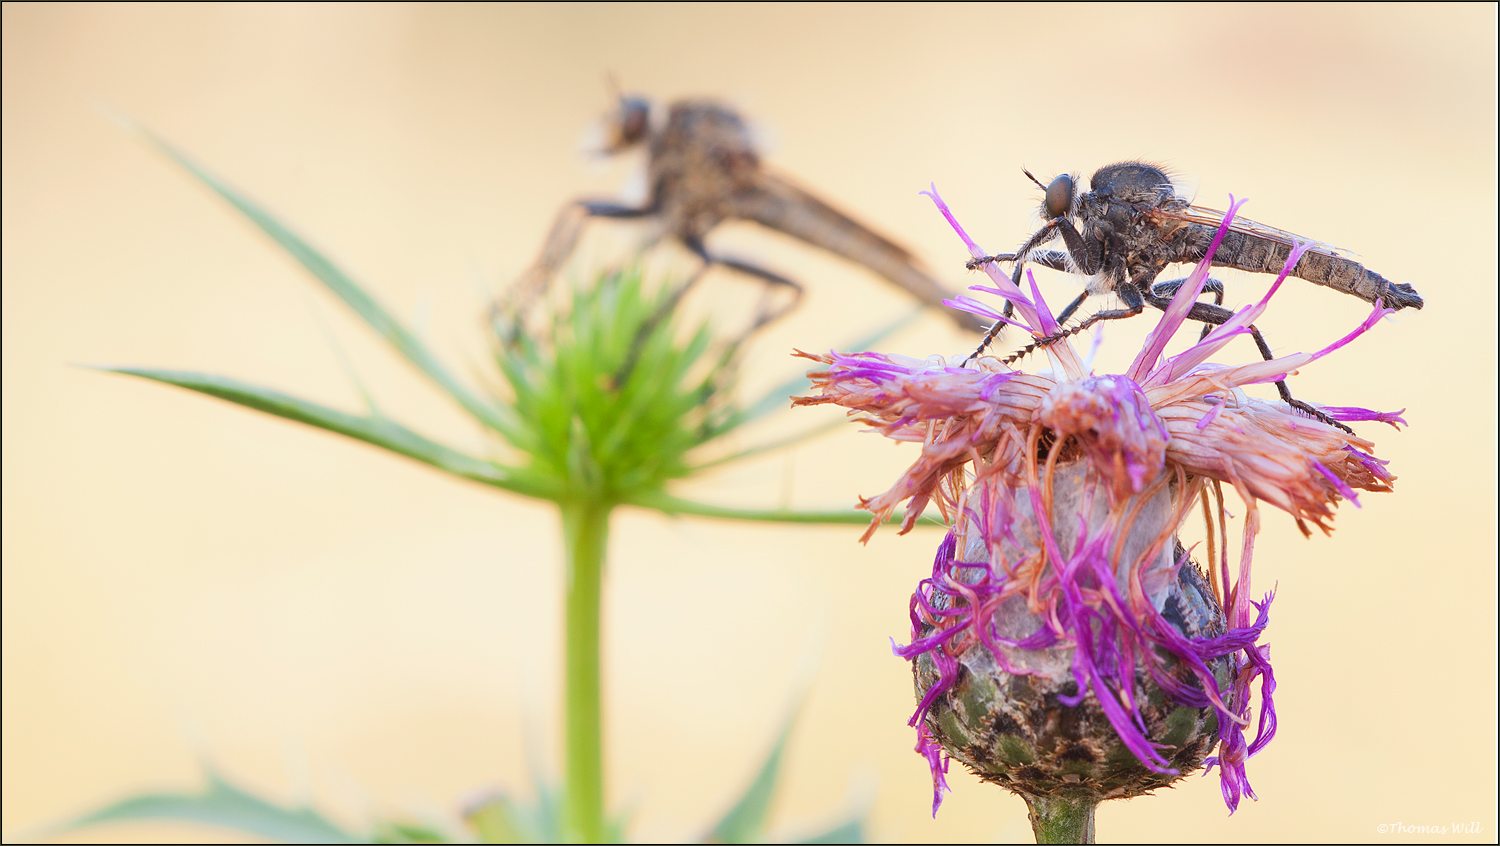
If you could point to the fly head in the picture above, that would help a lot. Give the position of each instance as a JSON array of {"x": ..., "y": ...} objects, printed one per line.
[
  {"x": 629, "y": 123},
  {"x": 1061, "y": 192}
]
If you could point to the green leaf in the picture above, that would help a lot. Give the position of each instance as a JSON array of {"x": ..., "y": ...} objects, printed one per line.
[
  {"x": 379, "y": 431},
  {"x": 345, "y": 288},
  {"x": 224, "y": 804},
  {"x": 746, "y": 821},
  {"x": 546, "y": 813},
  {"x": 852, "y": 831},
  {"x": 499, "y": 819},
  {"x": 405, "y": 832}
]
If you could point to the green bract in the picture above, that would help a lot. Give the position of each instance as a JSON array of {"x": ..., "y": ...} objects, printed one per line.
[{"x": 606, "y": 403}]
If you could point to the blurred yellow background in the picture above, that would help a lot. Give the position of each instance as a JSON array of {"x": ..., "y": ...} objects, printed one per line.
[{"x": 188, "y": 581}]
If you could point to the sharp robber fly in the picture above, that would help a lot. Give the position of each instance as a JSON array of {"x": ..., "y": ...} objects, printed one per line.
[
  {"x": 703, "y": 169},
  {"x": 1132, "y": 223}
]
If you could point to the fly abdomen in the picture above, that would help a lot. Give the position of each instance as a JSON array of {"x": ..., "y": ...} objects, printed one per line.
[
  {"x": 1351, "y": 277},
  {"x": 1247, "y": 252},
  {"x": 1263, "y": 255}
]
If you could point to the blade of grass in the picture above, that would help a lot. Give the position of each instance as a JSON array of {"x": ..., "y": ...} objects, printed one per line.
[
  {"x": 852, "y": 831},
  {"x": 745, "y": 822},
  {"x": 223, "y": 804},
  {"x": 378, "y": 431},
  {"x": 367, "y": 307}
]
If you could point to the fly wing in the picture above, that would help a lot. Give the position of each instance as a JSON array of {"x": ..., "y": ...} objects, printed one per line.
[
  {"x": 1246, "y": 226},
  {"x": 777, "y": 203},
  {"x": 1323, "y": 264},
  {"x": 780, "y": 204}
]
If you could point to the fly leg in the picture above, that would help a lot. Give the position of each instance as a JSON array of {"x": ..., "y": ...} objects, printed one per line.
[
  {"x": 1083, "y": 259},
  {"x": 1066, "y": 313},
  {"x": 1215, "y": 315},
  {"x": 1169, "y": 290},
  {"x": 1045, "y": 258},
  {"x": 765, "y": 315},
  {"x": 566, "y": 230},
  {"x": 1052, "y": 229},
  {"x": 994, "y": 332},
  {"x": 1128, "y": 294}
]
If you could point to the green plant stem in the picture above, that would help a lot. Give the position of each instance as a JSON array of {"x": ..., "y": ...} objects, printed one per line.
[
  {"x": 586, "y": 534},
  {"x": 1055, "y": 819},
  {"x": 668, "y": 504}
]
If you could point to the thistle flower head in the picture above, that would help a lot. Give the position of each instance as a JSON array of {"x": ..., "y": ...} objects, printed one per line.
[{"x": 1064, "y": 645}]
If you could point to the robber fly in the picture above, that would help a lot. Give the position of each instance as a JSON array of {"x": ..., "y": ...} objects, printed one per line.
[
  {"x": 1132, "y": 224},
  {"x": 702, "y": 170}
]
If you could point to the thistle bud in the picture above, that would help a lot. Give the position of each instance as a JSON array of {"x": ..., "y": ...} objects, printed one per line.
[
  {"x": 1015, "y": 716},
  {"x": 1052, "y": 646}
]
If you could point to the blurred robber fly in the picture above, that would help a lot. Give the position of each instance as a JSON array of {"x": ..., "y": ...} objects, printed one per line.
[
  {"x": 702, "y": 170},
  {"x": 1132, "y": 224}
]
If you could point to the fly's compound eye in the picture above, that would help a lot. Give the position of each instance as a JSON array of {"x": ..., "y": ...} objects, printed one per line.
[
  {"x": 632, "y": 120},
  {"x": 1059, "y": 197}
]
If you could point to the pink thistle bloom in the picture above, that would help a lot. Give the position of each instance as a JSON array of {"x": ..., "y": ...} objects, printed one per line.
[{"x": 1064, "y": 644}]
